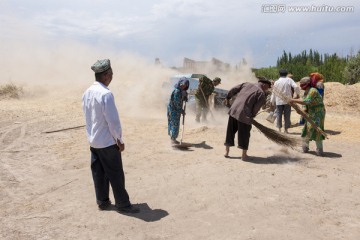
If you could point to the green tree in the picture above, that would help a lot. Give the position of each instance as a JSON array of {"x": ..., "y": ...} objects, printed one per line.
[
  {"x": 270, "y": 72},
  {"x": 333, "y": 68},
  {"x": 352, "y": 70}
]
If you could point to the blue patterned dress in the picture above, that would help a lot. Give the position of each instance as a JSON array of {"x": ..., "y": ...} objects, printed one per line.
[{"x": 174, "y": 111}]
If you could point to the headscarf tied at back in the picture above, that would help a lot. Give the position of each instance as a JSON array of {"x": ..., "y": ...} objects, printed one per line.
[
  {"x": 182, "y": 82},
  {"x": 315, "y": 78}
]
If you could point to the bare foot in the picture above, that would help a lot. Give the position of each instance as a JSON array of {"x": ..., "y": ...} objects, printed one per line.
[
  {"x": 227, "y": 149},
  {"x": 244, "y": 155}
]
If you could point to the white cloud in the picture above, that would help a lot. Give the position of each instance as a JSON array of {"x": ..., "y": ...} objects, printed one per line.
[{"x": 189, "y": 28}]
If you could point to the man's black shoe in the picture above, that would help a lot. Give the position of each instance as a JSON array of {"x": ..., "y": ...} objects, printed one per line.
[
  {"x": 104, "y": 205},
  {"x": 128, "y": 209}
]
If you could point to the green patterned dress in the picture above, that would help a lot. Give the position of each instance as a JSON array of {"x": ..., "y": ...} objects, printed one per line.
[{"x": 316, "y": 111}]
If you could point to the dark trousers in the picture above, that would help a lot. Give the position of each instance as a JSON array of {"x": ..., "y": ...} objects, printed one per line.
[
  {"x": 243, "y": 131},
  {"x": 280, "y": 111},
  {"x": 106, "y": 166}
]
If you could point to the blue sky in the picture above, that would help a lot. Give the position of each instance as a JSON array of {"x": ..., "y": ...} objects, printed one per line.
[{"x": 173, "y": 29}]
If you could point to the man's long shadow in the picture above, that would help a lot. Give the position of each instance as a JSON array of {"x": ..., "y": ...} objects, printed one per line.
[{"x": 146, "y": 213}]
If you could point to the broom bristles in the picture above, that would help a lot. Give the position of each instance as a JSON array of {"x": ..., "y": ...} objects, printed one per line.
[{"x": 276, "y": 136}]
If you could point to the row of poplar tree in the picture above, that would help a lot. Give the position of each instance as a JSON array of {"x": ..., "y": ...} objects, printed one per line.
[{"x": 345, "y": 70}]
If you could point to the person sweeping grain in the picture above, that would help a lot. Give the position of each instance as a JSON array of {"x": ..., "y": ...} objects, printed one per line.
[
  {"x": 250, "y": 98},
  {"x": 174, "y": 109},
  {"x": 205, "y": 89},
  {"x": 315, "y": 108}
]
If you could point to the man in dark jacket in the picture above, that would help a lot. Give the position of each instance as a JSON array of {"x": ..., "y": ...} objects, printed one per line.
[{"x": 250, "y": 98}]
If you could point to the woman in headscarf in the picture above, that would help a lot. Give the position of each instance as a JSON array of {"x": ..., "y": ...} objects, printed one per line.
[
  {"x": 317, "y": 81},
  {"x": 315, "y": 108},
  {"x": 174, "y": 109}
]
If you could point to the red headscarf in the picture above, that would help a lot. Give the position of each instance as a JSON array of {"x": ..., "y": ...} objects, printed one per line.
[{"x": 315, "y": 78}]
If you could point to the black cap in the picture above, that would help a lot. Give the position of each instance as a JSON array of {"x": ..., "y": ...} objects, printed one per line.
[
  {"x": 217, "y": 79},
  {"x": 283, "y": 72},
  {"x": 264, "y": 80}
]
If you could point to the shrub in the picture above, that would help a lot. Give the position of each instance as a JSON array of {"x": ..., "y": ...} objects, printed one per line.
[{"x": 10, "y": 90}]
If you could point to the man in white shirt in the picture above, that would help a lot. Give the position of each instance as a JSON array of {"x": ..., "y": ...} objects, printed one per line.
[
  {"x": 104, "y": 134},
  {"x": 284, "y": 85}
]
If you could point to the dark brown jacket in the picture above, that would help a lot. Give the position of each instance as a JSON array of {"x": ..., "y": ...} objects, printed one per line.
[{"x": 250, "y": 98}]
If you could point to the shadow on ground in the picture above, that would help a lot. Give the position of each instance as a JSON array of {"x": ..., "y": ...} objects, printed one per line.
[
  {"x": 285, "y": 159},
  {"x": 146, "y": 213},
  {"x": 331, "y": 132},
  {"x": 273, "y": 160},
  {"x": 202, "y": 145},
  {"x": 327, "y": 154},
  {"x": 184, "y": 146}
]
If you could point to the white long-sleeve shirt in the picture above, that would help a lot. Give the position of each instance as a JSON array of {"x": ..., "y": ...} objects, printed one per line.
[
  {"x": 284, "y": 85},
  {"x": 103, "y": 125}
]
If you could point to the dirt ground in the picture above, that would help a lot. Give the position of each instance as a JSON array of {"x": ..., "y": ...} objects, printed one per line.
[{"x": 47, "y": 191}]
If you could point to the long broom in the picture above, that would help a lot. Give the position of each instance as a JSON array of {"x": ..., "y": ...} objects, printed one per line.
[
  {"x": 207, "y": 104},
  {"x": 276, "y": 136},
  {"x": 183, "y": 145},
  {"x": 183, "y": 125}
]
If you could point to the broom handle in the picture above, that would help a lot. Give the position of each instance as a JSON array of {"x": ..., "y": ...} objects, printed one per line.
[
  {"x": 307, "y": 118},
  {"x": 183, "y": 124},
  {"x": 64, "y": 129},
  {"x": 207, "y": 104}
]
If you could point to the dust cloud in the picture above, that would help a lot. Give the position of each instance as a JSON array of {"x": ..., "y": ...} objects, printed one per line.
[{"x": 46, "y": 69}]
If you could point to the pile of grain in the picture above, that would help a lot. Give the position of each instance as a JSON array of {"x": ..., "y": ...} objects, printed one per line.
[{"x": 342, "y": 98}]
